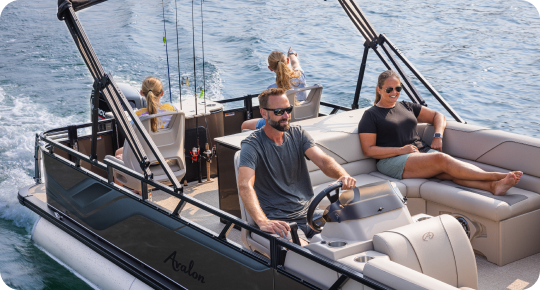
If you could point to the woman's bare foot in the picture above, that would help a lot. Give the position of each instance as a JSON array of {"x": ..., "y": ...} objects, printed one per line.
[
  {"x": 502, "y": 186},
  {"x": 518, "y": 175}
]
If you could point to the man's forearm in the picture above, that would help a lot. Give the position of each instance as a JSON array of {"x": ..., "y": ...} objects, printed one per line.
[
  {"x": 251, "y": 204},
  {"x": 332, "y": 169}
]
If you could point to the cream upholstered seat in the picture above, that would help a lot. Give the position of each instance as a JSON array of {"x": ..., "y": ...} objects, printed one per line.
[
  {"x": 437, "y": 247},
  {"x": 255, "y": 243},
  {"x": 170, "y": 142},
  {"x": 310, "y": 107}
]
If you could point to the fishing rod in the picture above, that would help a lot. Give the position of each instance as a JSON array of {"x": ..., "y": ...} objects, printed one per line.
[
  {"x": 198, "y": 148},
  {"x": 178, "y": 55},
  {"x": 166, "y": 51},
  {"x": 208, "y": 154}
]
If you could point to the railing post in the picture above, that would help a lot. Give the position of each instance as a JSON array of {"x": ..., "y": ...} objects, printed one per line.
[
  {"x": 37, "y": 161},
  {"x": 110, "y": 174},
  {"x": 248, "y": 104},
  {"x": 144, "y": 190},
  {"x": 98, "y": 85}
]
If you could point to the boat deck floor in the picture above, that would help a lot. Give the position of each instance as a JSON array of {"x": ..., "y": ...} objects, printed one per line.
[{"x": 518, "y": 275}]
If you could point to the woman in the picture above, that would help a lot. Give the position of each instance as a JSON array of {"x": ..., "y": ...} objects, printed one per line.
[
  {"x": 388, "y": 133},
  {"x": 152, "y": 90},
  {"x": 286, "y": 78}
]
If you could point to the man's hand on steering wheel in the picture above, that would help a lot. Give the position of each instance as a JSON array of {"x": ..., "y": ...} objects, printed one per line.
[
  {"x": 280, "y": 228},
  {"x": 348, "y": 182}
]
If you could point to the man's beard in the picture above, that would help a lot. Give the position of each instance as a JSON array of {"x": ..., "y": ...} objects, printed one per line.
[{"x": 276, "y": 124}]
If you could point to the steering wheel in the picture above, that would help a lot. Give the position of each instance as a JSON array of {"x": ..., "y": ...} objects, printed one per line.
[{"x": 332, "y": 192}]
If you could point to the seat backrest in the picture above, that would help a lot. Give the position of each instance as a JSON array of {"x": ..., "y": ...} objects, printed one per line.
[
  {"x": 308, "y": 108},
  {"x": 245, "y": 215},
  {"x": 169, "y": 141},
  {"x": 437, "y": 247},
  {"x": 244, "y": 234}
]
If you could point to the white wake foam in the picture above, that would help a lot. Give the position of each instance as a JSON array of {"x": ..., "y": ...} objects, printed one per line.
[{"x": 21, "y": 120}]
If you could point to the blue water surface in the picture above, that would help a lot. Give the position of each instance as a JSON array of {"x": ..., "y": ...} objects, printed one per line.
[{"x": 482, "y": 56}]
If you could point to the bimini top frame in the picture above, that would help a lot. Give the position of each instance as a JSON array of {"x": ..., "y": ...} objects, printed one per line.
[
  {"x": 105, "y": 86},
  {"x": 382, "y": 45}
]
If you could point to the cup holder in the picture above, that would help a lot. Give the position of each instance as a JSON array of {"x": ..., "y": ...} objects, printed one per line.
[
  {"x": 424, "y": 218},
  {"x": 337, "y": 244},
  {"x": 363, "y": 259}
]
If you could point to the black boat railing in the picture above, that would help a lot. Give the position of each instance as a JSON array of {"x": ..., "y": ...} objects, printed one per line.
[{"x": 47, "y": 146}]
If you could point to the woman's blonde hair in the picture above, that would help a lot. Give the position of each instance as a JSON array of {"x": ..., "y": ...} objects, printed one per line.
[
  {"x": 278, "y": 62},
  {"x": 380, "y": 82},
  {"x": 151, "y": 89}
]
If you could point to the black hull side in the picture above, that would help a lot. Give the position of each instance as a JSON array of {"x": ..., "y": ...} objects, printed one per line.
[
  {"x": 100, "y": 246},
  {"x": 172, "y": 246}
]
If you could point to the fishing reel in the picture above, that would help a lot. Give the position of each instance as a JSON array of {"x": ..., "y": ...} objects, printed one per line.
[
  {"x": 185, "y": 81},
  {"x": 194, "y": 154},
  {"x": 209, "y": 154}
]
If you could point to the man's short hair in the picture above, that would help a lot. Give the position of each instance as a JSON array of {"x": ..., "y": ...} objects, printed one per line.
[{"x": 263, "y": 97}]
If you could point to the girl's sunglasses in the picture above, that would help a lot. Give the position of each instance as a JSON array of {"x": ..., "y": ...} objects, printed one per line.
[
  {"x": 390, "y": 89},
  {"x": 279, "y": 112}
]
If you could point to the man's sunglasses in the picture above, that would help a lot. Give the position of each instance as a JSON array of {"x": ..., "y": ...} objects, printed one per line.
[
  {"x": 279, "y": 112},
  {"x": 390, "y": 89}
]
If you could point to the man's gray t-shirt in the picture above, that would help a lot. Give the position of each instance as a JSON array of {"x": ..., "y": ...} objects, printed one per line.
[{"x": 282, "y": 180}]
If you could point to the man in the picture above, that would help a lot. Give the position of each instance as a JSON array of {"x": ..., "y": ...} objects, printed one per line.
[{"x": 273, "y": 178}]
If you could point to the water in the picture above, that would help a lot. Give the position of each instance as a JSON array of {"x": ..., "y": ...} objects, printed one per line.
[{"x": 482, "y": 56}]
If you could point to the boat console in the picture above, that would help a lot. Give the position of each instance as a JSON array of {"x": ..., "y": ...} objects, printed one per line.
[{"x": 370, "y": 230}]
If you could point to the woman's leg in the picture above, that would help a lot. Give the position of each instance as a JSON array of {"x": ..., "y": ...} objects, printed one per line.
[
  {"x": 420, "y": 165},
  {"x": 496, "y": 187},
  {"x": 444, "y": 166}
]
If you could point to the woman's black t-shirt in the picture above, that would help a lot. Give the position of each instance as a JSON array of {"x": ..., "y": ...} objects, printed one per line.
[{"x": 395, "y": 127}]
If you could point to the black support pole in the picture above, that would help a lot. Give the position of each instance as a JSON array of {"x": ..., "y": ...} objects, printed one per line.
[
  {"x": 360, "y": 77},
  {"x": 369, "y": 33},
  {"x": 104, "y": 84},
  {"x": 400, "y": 71},
  {"x": 423, "y": 80}
]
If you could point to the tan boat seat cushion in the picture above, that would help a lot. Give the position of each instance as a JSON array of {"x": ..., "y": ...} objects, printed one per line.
[
  {"x": 400, "y": 277},
  {"x": 412, "y": 185},
  {"x": 437, "y": 247},
  {"x": 482, "y": 203}
]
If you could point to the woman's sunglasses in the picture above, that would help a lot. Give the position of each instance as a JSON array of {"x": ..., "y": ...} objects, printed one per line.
[
  {"x": 279, "y": 112},
  {"x": 390, "y": 89}
]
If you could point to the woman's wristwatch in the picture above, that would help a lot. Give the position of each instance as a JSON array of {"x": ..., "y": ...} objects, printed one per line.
[
  {"x": 292, "y": 52},
  {"x": 437, "y": 135}
]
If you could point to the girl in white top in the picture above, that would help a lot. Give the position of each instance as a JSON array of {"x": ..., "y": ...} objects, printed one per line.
[{"x": 289, "y": 75}]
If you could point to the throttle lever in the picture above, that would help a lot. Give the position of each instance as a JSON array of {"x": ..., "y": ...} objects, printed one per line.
[{"x": 294, "y": 233}]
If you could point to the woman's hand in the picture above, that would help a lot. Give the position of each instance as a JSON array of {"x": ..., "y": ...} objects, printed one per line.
[
  {"x": 436, "y": 144},
  {"x": 408, "y": 149}
]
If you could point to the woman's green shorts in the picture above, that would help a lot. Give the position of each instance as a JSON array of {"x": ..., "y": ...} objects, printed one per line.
[{"x": 394, "y": 166}]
